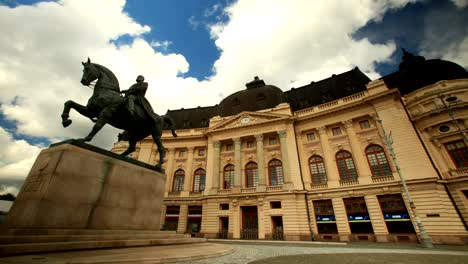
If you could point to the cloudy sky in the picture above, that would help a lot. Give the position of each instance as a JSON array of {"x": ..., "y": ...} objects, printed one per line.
[{"x": 194, "y": 53}]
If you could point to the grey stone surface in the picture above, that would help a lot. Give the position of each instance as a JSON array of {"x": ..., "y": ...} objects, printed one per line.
[{"x": 245, "y": 253}]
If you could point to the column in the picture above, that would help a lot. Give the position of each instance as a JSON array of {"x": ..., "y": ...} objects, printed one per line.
[
  {"x": 237, "y": 162},
  {"x": 341, "y": 219},
  {"x": 377, "y": 218},
  {"x": 261, "y": 164},
  {"x": 284, "y": 155},
  {"x": 215, "y": 167},
  {"x": 188, "y": 171},
  {"x": 329, "y": 156},
  {"x": 169, "y": 169},
  {"x": 182, "y": 224},
  {"x": 359, "y": 156}
]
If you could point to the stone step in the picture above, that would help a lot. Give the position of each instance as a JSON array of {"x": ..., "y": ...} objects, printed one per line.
[
  {"x": 45, "y": 231},
  {"x": 74, "y": 238},
  {"x": 13, "y": 249}
]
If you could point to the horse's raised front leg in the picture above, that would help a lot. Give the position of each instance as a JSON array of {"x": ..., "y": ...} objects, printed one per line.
[
  {"x": 103, "y": 119},
  {"x": 83, "y": 110}
]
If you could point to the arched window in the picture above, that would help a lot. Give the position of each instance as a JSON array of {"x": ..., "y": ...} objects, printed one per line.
[
  {"x": 251, "y": 174},
  {"x": 346, "y": 167},
  {"x": 228, "y": 176},
  {"x": 179, "y": 177},
  {"x": 377, "y": 161},
  {"x": 317, "y": 170},
  {"x": 199, "y": 180},
  {"x": 275, "y": 170}
]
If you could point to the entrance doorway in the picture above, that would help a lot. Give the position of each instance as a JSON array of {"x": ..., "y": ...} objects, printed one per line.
[
  {"x": 249, "y": 223},
  {"x": 223, "y": 227},
  {"x": 277, "y": 228}
]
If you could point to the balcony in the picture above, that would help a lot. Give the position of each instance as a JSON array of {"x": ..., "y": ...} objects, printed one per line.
[
  {"x": 173, "y": 194},
  {"x": 349, "y": 182},
  {"x": 459, "y": 172},
  {"x": 315, "y": 186},
  {"x": 248, "y": 190},
  {"x": 274, "y": 188},
  {"x": 225, "y": 191},
  {"x": 385, "y": 178}
]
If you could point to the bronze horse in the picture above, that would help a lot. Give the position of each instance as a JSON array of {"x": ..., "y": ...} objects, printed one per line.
[{"x": 107, "y": 106}]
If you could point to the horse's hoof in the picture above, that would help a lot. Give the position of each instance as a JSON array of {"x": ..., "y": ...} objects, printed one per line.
[{"x": 66, "y": 122}]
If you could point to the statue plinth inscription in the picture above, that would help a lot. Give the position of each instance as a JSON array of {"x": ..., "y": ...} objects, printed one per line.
[{"x": 73, "y": 185}]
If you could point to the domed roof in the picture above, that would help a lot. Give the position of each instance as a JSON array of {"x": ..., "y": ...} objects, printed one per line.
[
  {"x": 256, "y": 97},
  {"x": 416, "y": 72}
]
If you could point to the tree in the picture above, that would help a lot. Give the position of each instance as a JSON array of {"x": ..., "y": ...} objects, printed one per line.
[{"x": 7, "y": 197}]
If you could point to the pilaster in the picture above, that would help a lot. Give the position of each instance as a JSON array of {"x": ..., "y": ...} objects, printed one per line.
[
  {"x": 188, "y": 172},
  {"x": 237, "y": 162},
  {"x": 169, "y": 169},
  {"x": 341, "y": 219},
  {"x": 330, "y": 165},
  {"x": 261, "y": 163},
  {"x": 358, "y": 155},
  {"x": 284, "y": 156}
]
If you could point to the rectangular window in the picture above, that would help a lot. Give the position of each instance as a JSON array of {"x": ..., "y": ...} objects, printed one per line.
[
  {"x": 310, "y": 136},
  {"x": 272, "y": 141},
  {"x": 458, "y": 152},
  {"x": 229, "y": 147},
  {"x": 182, "y": 154},
  {"x": 364, "y": 124},
  {"x": 201, "y": 152},
  {"x": 250, "y": 144},
  {"x": 336, "y": 131},
  {"x": 275, "y": 205},
  {"x": 224, "y": 206}
]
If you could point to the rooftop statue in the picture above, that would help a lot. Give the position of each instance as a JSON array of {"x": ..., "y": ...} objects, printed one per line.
[{"x": 132, "y": 112}]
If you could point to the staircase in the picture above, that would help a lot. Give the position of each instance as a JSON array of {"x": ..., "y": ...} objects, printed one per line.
[{"x": 18, "y": 241}]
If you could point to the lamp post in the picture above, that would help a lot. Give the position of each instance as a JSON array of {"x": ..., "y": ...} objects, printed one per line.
[
  {"x": 448, "y": 108},
  {"x": 424, "y": 238}
]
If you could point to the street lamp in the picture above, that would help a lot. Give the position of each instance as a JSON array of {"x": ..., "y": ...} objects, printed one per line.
[
  {"x": 452, "y": 100},
  {"x": 424, "y": 238}
]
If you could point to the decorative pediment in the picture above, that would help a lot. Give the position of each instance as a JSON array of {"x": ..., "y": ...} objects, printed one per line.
[{"x": 247, "y": 119}]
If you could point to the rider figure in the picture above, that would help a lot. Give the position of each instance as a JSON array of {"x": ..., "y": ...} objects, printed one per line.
[{"x": 136, "y": 92}]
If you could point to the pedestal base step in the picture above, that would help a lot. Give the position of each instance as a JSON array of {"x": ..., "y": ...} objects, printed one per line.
[{"x": 33, "y": 241}]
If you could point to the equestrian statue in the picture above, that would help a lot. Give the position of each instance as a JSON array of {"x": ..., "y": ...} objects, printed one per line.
[{"x": 132, "y": 112}]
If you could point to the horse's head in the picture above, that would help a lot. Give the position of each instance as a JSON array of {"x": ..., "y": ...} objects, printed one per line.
[{"x": 90, "y": 73}]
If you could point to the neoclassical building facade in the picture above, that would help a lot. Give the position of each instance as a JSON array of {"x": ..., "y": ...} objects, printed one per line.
[{"x": 313, "y": 163}]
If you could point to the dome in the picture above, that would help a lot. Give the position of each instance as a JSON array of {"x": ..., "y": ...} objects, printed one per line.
[
  {"x": 416, "y": 72},
  {"x": 256, "y": 97}
]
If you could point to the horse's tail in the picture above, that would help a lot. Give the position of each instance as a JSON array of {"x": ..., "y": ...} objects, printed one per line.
[{"x": 170, "y": 124}]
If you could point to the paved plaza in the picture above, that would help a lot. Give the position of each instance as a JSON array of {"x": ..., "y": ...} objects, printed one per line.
[{"x": 258, "y": 252}]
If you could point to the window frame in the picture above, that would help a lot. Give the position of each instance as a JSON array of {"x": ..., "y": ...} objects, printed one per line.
[
  {"x": 251, "y": 171},
  {"x": 348, "y": 176},
  {"x": 228, "y": 169},
  {"x": 323, "y": 178},
  {"x": 379, "y": 166},
  {"x": 460, "y": 151},
  {"x": 180, "y": 183},
  {"x": 201, "y": 173},
  {"x": 279, "y": 178},
  {"x": 336, "y": 131}
]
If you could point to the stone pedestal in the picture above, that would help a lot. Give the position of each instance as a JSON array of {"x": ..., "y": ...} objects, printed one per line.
[{"x": 73, "y": 185}]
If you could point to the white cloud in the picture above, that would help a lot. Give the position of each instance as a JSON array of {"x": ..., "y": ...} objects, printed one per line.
[
  {"x": 193, "y": 22},
  {"x": 161, "y": 45},
  {"x": 460, "y": 3},
  {"x": 16, "y": 156},
  {"x": 8, "y": 189},
  {"x": 457, "y": 52},
  {"x": 276, "y": 40}
]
